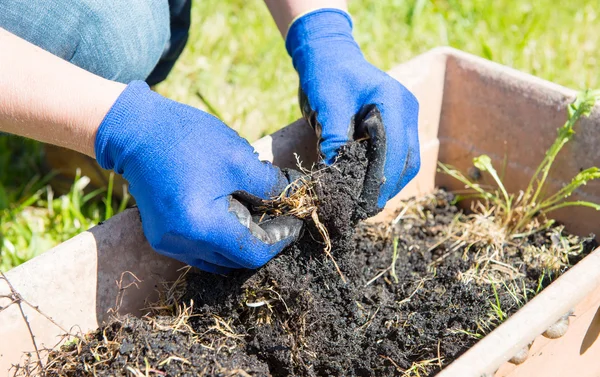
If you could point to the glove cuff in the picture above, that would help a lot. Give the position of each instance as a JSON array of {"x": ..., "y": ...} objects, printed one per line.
[
  {"x": 110, "y": 138},
  {"x": 322, "y": 24}
]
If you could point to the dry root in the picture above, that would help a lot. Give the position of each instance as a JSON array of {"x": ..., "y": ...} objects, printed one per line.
[
  {"x": 170, "y": 294},
  {"x": 298, "y": 199}
]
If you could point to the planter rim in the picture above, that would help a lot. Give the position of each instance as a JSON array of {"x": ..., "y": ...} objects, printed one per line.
[{"x": 119, "y": 245}]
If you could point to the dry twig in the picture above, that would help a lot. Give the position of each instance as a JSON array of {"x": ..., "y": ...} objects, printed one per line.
[{"x": 15, "y": 298}]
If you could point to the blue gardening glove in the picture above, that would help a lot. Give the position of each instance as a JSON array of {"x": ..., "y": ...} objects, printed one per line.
[
  {"x": 346, "y": 98},
  {"x": 189, "y": 172}
]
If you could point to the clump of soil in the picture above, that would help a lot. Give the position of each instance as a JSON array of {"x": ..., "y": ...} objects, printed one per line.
[
  {"x": 410, "y": 314},
  {"x": 338, "y": 190}
]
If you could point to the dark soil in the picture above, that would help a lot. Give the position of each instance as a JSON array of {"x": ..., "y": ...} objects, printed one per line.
[
  {"x": 339, "y": 189},
  {"x": 296, "y": 316}
]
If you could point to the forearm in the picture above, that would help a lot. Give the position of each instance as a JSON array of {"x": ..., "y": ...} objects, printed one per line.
[
  {"x": 285, "y": 11},
  {"x": 45, "y": 98}
]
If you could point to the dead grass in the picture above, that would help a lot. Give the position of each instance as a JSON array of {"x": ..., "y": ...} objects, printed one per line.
[
  {"x": 495, "y": 251},
  {"x": 104, "y": 346},
  {"x": 266, "y": 306},
  {"x": 497, "y": 259},
  {"x": 264, "y": 303},
  {"x": 298, "y": 199},
  {"x": 169, "y": 313},
  {"x": 77, "y": 353},
  {"x": 422, "y": 368},
  {"x": 170, "y": 294}
]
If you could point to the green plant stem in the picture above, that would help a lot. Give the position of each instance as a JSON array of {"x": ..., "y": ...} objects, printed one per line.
[
  {"x": 582, "y": 106},
  {"x": 578, "y": 203},
  {"x": 580, "y": 179},
  {"x": 108, "y": 212},
  {"x": 497, "y": 306},
  {"x": 507, "y": 198},
  {"x": 124, "y": 201},
  {"x": 544, "y": 169}
]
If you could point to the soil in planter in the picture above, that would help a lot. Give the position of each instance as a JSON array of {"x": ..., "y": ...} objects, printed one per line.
[{"x": 296, "y": 315}]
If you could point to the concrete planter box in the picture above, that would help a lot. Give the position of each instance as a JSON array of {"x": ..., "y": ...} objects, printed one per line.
[{"x": 469, "y": 106}]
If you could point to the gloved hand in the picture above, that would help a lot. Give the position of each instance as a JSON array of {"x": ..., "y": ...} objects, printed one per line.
[
  {"x": 344, "y": 97},
  {"x": 185, "y": 169}
]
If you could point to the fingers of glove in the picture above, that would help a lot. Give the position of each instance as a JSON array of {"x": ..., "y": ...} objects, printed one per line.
[
  {"x": 248, "y": 173},
  {"x": 253, "y": 246},
  {"x": 189, "y": 250},
  {"x": 331, "y": 142},
  {"x": 332, "y": 110},
  {"x": 194, "y": 260},
  {"x": 270, "y": 231},
  {"x": 259, "y": 255},
  {"x": 288, "y": 180},
  {"x": 225, "y": 242},
  {"x": 282, "y": 228},
  {"x": 209, "y": 267},
  {"x": 369, "y": 123},
  {"x": 402, "y": 161}
]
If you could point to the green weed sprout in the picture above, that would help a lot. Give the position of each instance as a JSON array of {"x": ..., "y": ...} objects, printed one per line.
[
  {"x": 517, "y": 213},
  {"x": 496, "y": 305}
]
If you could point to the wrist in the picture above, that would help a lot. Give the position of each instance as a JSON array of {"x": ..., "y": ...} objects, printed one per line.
[
  {"x": 321, "y": 24},
  {"x": 327, "y": 30},
  {"x": 285, "y": 12},
  {"x": 113, "y": 135},
  {"x": 91, "y": 117}
]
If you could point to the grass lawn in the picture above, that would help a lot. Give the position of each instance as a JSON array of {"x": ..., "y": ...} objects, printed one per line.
[{"x": 235, "y": 66}]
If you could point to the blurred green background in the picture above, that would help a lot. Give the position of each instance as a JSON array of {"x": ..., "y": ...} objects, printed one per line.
[{"x": 236, "y": 67}]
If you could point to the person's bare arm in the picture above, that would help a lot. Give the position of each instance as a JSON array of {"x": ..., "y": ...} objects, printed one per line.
[
  {"x": 45, "y": 98},
  {"x": 285, "y": 11}
]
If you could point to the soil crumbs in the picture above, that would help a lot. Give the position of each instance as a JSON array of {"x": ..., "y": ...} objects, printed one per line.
[{"x": 414, "y": 301}]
